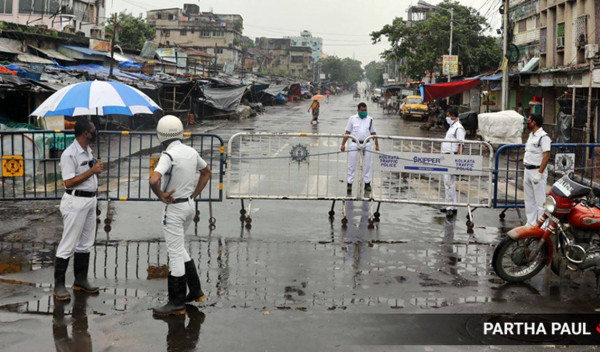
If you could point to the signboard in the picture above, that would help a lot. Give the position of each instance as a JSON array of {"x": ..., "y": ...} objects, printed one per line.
[
  {"x": 431, "y": 163},
  {"x": 596, "y": 75},
  {"x": 149, "y": 49},
  {"x": 153, "y": 163},
  {"x": 100, "y": 45},
  {"x": 322, "y": 76},
  {"x": 386, "y": 76},
  {"x": 12, "y": 166},
  {"x": 450, "y": 64}
]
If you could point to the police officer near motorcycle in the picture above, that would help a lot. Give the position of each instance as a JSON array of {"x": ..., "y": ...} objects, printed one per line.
[
  {"x": 537, "y": 154},
  {"x": 173, "y": 181},
  {"x": 78, "y": 209}
]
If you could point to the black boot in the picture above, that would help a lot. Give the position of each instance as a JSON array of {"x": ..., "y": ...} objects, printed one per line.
[
  {"x": 81, "y": 265},
  {"x": 175, "y": 306},
  {"x": 193, "y": 283},
  {"x": 60, "y": 269}
]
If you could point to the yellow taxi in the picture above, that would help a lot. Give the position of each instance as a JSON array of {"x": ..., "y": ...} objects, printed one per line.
[{"x": 413, "y": 106}]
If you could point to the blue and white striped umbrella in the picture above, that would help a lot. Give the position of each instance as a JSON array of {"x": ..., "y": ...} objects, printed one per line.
[{"x": 96, "y": 98}]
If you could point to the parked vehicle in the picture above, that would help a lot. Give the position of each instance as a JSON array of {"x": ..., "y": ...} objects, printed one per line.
[
  {"x": 569, "y": 242},
  {"x": 414, "y": 107},
  {"x": 376, "y": 96}
]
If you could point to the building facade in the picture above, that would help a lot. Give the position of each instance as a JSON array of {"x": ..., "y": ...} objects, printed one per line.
[
  {"x": 84, "y": 16},
  {"x": 216, "y": 34},
  {"x": 561, "y": 36},
  {"x": 307, "y": 40}
]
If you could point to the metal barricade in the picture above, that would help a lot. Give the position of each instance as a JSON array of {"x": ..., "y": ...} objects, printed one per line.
[
  {"x": 287, "y": 166},
  {"x": 31, "y": 164},
  {"x": 565, "y": 158},
  {"x": 412, "y": 170},
  {"x": 129, "y": 158}
]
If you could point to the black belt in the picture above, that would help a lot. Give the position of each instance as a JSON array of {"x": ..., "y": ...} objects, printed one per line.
[
  {"x": 531, "y": 167},
  {"x": 448, "y": 153},
  {"x": 180, "y": 200},
  {"x": 79, "y": 193}
]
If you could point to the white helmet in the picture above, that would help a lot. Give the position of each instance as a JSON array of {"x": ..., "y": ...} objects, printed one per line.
[{"x": 169, "y": 127}]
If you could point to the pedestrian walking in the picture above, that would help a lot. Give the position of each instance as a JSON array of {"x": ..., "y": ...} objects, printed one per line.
[
  {"x": 173, "y": 181},
  {"x": 455, "y": 132},
  {"x": 537, "y": 154},
  {"x": 327, "y": 93},
  {"x": 315, "y": 111},
  {"x": 78, "y": 209},
  {"x": 360, "y": 126}
]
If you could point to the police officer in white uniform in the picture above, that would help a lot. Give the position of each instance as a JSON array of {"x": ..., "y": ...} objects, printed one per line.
[
  {"x": 360, "y": 126},
  {"x": 78, "y": 209},
  {"x": 174, "y": 182},
  {"x": 456, "y": 131},
  {"x": 537, "y": 154}
]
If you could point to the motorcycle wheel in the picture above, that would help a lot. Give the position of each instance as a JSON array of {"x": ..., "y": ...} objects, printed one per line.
[{"x": 510, "y": 259}]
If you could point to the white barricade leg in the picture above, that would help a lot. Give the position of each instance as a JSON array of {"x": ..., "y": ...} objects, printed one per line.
[{"x": 352, "y": 161}]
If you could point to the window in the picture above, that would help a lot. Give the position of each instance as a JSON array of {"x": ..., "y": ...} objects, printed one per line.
[
  {"x": 37, "y": 6},
  {"x": 218, "y": 33},
  {"x": 6, "y": 6},
  {"x": 171, "y": 17},
  {"x": 159, "y": 16},
  {"x": 183, "y": 32},
  {"x": 297, "y": 59},
  {"x": 205, "y": 33},
  {"x": 166, "y": 33},
  {"x": 218, "y": 50}
]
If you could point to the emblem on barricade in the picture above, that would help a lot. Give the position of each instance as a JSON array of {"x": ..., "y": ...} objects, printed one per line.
[
  {"x": 299, "y": 153},
  {"x": 564, "y": 162},
  {"x": 12, "y": 165}
]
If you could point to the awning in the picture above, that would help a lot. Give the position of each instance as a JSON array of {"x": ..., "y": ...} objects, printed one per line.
[
  {"x": 441, "y": 90},
  {"x": 82, "y": 53},
  {"x": 32, "y": 59},
  {"x": 53, "y": 54},
  {"x": 498, "y": 76},
  {"x": 10, "y": 46},
  {"x": 226, "y": 99},
  {"x": 531, "y": 65}
]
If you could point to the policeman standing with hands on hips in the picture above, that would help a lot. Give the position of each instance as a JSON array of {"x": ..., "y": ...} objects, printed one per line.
[
  {"x": 360, "y": 126},
  {"x": 456, "y": 131},
  {"x": 537, "y": 154},
  {"x": 173, "y": 181},
  {"x": 78, "y": 209}
]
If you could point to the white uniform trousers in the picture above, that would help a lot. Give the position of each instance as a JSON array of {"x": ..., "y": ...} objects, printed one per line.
[
  {"x": 176, "y": 219},
  {"x": 450, "y": 187},
  {"x": 535, "y": 195},
  {"x": 353, "y": 161},
  {"x": 79, "y": 220}
]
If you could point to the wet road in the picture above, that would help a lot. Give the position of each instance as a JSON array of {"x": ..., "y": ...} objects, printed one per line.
[{"x": 294, "y": 281}]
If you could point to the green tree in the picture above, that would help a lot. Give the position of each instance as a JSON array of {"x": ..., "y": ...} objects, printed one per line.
[
  {"x": 374, "y": 72},
  {"x": 132, "y": 31},
  {"x": 421, "y": 44},
  {"x": 346, "y": 70}
]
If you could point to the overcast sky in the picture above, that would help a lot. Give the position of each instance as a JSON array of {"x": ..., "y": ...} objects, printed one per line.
[{"x": 344, "y": 25}]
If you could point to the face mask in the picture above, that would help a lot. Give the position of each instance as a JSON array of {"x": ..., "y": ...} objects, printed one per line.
[
  {"x": 449, "y": 120},
  {"x": 362, "y": 114}
]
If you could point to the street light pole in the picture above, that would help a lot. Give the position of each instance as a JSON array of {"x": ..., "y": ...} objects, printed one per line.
[
  {"x": 451, "y": 29},
  {"x": 504, "y": 57}
]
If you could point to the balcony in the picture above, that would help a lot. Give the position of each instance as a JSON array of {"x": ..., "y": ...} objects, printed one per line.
[{"x": 527, "y": 37}]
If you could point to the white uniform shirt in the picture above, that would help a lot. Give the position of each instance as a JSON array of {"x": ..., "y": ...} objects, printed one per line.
[
  {"x": 456, "y": 131},
  {"x": 537, "y": 143},
  {"x": 74, "y": 162},
  {"x": 360, "y": 128},
  {"x": 186, "y": 162}
]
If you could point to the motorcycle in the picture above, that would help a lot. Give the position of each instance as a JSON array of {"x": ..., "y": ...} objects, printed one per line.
[{"x": 566, "y": 237}]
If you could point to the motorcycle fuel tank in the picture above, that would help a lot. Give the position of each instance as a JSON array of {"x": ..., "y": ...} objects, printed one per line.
[{"x": 583, "y": 217}]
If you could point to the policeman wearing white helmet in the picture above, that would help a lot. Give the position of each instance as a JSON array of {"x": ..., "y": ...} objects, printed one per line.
[{"x": 174, "y": 182}]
